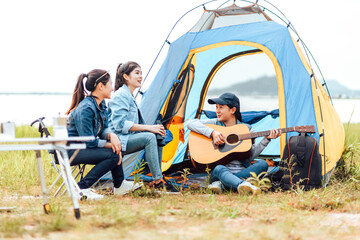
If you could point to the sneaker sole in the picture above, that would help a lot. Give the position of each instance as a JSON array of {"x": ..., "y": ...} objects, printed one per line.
[
  {"x": 137, "y": 187},
  {"x": 85, "y": 197},
  {"x": 256, "y": 192},
  {"x": 129, "y": 190},
  {"x": 93, "y": 199},
  {"x": 215, "y": 190},
  {"x": 244, "y": 190}
]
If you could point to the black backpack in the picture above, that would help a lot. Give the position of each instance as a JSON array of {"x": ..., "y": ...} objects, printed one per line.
[{"x": 300, "y": 164}]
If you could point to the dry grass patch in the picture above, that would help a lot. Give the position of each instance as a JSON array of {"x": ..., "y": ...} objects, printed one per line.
[
  {"x": 195, "y": 216},
  {"x": 331, "y": 213}
]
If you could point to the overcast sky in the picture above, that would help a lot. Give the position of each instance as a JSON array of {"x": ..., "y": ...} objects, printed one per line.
[{"x": 45, "y": 45}]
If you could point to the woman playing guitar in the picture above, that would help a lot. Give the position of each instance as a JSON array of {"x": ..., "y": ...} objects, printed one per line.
[{"x": 231, "y": 175}]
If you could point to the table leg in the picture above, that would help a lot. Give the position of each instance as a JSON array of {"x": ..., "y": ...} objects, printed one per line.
[
  {"x": 42, "y": 182},
  {"x": 70, "y": 183}
]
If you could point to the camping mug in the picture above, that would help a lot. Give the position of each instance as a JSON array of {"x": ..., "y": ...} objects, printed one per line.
[
  {"x": 60, "y": 130},
  {"x": 8, "y": 128}
]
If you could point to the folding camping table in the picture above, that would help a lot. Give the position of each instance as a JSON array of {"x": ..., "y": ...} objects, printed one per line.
[{"x": 57, "y": 144}]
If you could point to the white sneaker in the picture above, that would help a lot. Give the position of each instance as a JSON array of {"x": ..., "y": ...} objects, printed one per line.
[
  {"x": 89, "y": 194},
  {"x": 216, "y": 187},
  {"x": 246, "y": 187},
  {"x": 126, "y": 187}
]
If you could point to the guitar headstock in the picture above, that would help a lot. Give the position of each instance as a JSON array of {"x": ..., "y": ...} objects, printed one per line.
[{"x": 305, "y": 129}]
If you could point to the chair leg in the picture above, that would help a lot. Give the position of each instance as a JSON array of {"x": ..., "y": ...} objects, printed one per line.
[
  {"x": 63, "y": 183},
  {"x": 62, "y": 175},
  {"x": 80, "y": 172}
]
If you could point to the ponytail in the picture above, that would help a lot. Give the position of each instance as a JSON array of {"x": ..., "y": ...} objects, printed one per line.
[
  {"x": 124, "y": 68},
  {"x": 93, "y": 78},
  {"x": 237, "y": 112},
  {"x": 238, "y": 115},
  {"x": 79, "y": 93},
  {"x": 119, "y": 79}
]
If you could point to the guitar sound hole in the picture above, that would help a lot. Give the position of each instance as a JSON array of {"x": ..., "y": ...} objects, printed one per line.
[{"x": 232, "y": 138}]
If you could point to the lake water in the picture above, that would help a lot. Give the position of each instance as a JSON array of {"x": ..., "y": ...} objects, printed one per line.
[{"x": 23, "y": 109}]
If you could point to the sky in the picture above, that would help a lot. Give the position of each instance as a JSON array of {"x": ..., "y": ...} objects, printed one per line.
[{"x": 45, "y": 45}]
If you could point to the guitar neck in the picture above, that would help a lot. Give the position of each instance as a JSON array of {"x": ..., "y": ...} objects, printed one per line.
[{"x": 265, "y": 133}]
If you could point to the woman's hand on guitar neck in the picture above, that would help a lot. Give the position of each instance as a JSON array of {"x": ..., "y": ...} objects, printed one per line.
[
  {"x": 218, "y": 137},
  {"x": 274, "y": 133}
]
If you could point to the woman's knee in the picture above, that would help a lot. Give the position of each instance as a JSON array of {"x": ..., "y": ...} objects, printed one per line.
[
  {"x": 150, "y": 138},
  {"x": 111, "y": 156},
  {"x": 262, "y": 165},
  {"x": 108, "y": 153},
  {"x": 115, "y": 158},
  {"x": 218, "y": 169}
]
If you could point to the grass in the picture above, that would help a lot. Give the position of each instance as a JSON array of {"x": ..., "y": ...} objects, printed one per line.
[{"x": 331, "y": 213}]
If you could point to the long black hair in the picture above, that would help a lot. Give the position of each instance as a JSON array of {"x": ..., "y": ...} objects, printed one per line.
[
  {"x": 94, "y": 77},
  {"x": 124, "y": 68}
]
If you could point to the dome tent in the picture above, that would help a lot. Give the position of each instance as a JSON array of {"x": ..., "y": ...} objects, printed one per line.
[{"x": 178, "y": 90}]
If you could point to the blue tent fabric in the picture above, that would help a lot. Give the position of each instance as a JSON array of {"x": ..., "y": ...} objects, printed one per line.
[
  {"x": 153, "y": 98},
  {"x": 272, "y": 35},
  {"x": 275, "y": 37},
  {"x": 249, "y": 117},
  {"x": 265, "y": 124},
  {"x": 168, "y": 137}
]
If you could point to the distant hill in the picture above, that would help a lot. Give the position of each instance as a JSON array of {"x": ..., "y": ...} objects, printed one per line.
[
  {"x": 267, "y": 86},
  {"x": 261, "y": 86},
  {"x": 337, "y": 90}
]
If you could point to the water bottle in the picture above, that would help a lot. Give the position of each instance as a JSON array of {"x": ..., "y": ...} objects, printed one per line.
[{"x": 160, "y": 139}]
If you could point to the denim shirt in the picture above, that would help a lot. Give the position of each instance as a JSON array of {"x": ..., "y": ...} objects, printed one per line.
[
  {"x": 90, "y": 119},
  {"x": 124, "y": 113},
  {"x": 198, "y": 126}
]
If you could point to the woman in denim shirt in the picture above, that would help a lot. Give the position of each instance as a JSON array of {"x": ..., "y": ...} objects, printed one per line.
[
  {"x": 127, "y": 122},
  {"x": 88, "y": 117}
]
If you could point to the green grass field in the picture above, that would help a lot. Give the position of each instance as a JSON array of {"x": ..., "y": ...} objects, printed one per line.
[{"x": 331, "y": 213}]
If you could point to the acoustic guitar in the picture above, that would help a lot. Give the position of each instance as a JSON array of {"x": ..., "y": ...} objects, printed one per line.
[{"x": 238, "y": 142}]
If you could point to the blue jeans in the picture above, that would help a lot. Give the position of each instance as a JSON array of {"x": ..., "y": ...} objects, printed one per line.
[
  {"x": 153, "y": 153},
  {"x": 104, "y": 159},
  {"x": 232, "y": 181}
]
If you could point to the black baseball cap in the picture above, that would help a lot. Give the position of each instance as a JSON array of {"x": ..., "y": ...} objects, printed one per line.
[{"x": 226, "y": 99}]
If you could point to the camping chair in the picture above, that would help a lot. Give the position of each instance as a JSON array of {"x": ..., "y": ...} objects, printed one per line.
[{"x": 58, "y": 163}]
